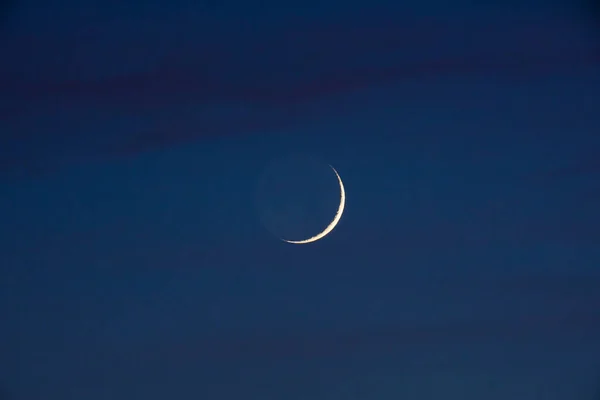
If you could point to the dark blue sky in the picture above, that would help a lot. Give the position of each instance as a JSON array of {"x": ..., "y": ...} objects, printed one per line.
[{"x": 132, "y": 260}]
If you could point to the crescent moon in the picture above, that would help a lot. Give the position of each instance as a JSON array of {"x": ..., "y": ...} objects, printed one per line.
[{"x": 334, "y": 222}]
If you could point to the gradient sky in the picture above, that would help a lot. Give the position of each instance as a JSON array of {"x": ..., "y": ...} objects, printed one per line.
[{"x": 133, "y": 264}]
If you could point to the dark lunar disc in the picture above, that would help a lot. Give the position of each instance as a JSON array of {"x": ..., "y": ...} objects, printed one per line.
[{"x": 297, "y": 197}]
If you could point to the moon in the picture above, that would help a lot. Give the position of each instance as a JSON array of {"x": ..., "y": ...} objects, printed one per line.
[{"x": 336, "y": 218}]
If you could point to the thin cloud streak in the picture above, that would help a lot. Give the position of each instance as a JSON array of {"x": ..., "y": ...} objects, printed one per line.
[
  {"x": 585, "y": 168},
  {"x": 280, "y": 74},
  {"x": 324, "y": 345},
  {"x": 298, "y": 67}
]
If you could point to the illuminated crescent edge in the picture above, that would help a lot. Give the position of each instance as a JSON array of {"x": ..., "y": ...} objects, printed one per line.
[{"x": 333, "y": 223}]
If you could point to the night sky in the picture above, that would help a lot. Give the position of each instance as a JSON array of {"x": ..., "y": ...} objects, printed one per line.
[{"x": 133, "y": 261}]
